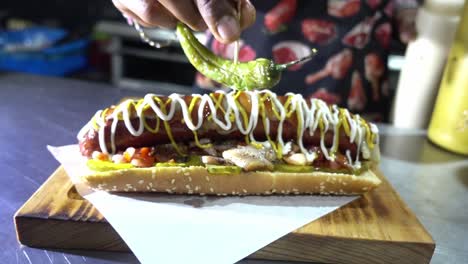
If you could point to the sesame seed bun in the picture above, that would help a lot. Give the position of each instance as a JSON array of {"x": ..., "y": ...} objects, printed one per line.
[{"x": 197, "y": 180}]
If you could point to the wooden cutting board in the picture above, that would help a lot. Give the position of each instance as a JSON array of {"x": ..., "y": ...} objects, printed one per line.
[{"x": 377, "y": 228}]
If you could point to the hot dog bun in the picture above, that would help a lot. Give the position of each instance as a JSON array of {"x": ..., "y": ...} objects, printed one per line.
[
  {"x": 197, "y": 180},
  {"x": 272, "y": 144}
]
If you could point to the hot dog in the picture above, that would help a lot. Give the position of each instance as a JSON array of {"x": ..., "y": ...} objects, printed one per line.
[{"x": 230, "y": 143}]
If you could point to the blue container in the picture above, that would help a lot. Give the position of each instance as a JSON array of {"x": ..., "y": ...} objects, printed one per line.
[{"x": 34, "y": 50}]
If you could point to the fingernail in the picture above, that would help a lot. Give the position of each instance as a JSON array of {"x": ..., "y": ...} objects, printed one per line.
[
  {"x": 129, "y": 20},
  {"x": 228, "y": 28}
]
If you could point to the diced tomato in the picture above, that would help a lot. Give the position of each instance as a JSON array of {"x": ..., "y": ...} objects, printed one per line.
[
  {"x": 145, "y": 152},
  {"x": 100, "y": 156},
  {"x": 143, "y": 157}
]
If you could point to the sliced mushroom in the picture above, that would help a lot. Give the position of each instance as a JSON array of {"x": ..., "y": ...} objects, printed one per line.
[
  {"x": 212, "y": 160},
  {"x": 297, "y": 159},
  {"x": 248, "y": 158}
]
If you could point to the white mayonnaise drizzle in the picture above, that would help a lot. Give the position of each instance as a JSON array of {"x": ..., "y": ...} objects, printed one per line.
[{"x": 309, "y": 115}]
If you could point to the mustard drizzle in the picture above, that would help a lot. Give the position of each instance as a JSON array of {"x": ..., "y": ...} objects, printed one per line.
[{"x": 309, "y": 116}]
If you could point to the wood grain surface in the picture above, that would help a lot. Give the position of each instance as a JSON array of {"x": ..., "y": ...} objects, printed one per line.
[{"x": 377, "y": 228}]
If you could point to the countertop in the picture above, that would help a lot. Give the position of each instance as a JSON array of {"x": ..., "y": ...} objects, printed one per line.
[{"x": 38, "y": 111}]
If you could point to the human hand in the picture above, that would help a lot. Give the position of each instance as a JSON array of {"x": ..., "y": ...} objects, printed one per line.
[{"x": 220, "y": 16}]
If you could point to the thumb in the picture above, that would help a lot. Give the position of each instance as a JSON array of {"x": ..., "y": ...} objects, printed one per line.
[{"x": 222, "y": 17}]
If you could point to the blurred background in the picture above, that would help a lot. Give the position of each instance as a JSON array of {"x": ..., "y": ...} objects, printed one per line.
[
  {"x": 87, "y": 40},
  {"x": 92, "y": 41}
]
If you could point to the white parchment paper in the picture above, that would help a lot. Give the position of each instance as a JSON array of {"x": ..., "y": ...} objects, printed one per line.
[{"x": 162, "y": 228}]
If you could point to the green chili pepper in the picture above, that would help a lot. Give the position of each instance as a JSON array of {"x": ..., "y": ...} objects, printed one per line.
[{"x": 257, "y": 74}]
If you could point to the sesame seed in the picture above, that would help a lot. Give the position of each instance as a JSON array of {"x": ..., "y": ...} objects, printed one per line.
[
  {"x": 173, "y": 188},
  {"x": 172, "y": 181},
  {"x": 190, "y": 192},
  {"x": 178, "y": 171},
  {"x": 295, "y": 190},
  {"x": 233, "y": 193},
  {"x": 207, "y": 178},
  {"x": 189, "y": 179},
  {"x": 273, "y": 191},
  {"x": 211, "y": 190},
  {"x": 125, "y": 189},
  {"x": 187, "y": 186},
  {"x": 186, "y": 173},
  {"x": 244, "y": 190},
  {"x": 282, "y": 191},
  {"x": 141, "y": 181},
  {"x": 169, "y": 190},
  {"x": 267, "y": 192},
  {"x": 153, "y": 173},
  {"x": 152, "y": 189},
  {"x": 364, "y": 188},
  {"x": 151, "y": 184},
  {"x": 197, "y": 188},
  {"x": 148, "y": 188}
]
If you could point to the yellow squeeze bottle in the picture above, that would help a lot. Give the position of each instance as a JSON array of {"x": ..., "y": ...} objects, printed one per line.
[{"x": 449, "y": 124}]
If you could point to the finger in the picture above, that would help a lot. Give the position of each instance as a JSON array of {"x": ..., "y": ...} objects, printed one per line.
[
  {"x": 221, "y": 18},
  {"x": 148, "y": 13},
  {"x": 186, "y": 11},
  {"x": 136, "y": 19},
  {"x": 133, "y": 18},
  {"x": 248, "y": 14}
]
